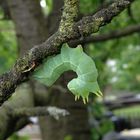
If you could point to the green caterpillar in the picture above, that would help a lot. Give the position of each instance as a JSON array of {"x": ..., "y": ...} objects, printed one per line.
[{"x": 71, "y": 59}]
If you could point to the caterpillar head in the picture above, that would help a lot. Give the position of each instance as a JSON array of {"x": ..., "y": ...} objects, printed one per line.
[
  {"x": 82, "y": 88},
  {"x": 78, "y": 88}
]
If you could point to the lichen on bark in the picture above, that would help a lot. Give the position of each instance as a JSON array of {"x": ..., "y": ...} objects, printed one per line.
[{"x": 70, "y": 13}]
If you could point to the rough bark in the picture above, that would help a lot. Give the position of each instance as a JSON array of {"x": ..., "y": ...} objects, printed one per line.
[{"x": 116, "y": 34}]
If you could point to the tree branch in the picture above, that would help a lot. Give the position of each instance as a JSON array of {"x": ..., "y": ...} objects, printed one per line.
[
  {"x": 40, "y": 111},
  {"x": 87, "y": 25},
  {"x": 108, "y": 36}
]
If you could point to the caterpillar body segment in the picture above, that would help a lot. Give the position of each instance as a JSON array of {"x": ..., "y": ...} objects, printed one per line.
[{"x": 71, "y": 59}]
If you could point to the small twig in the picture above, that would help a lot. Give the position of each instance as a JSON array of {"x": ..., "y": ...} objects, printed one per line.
[
  {"x": 108, "y": 36},
  {"x": 40, "y": 111}
]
